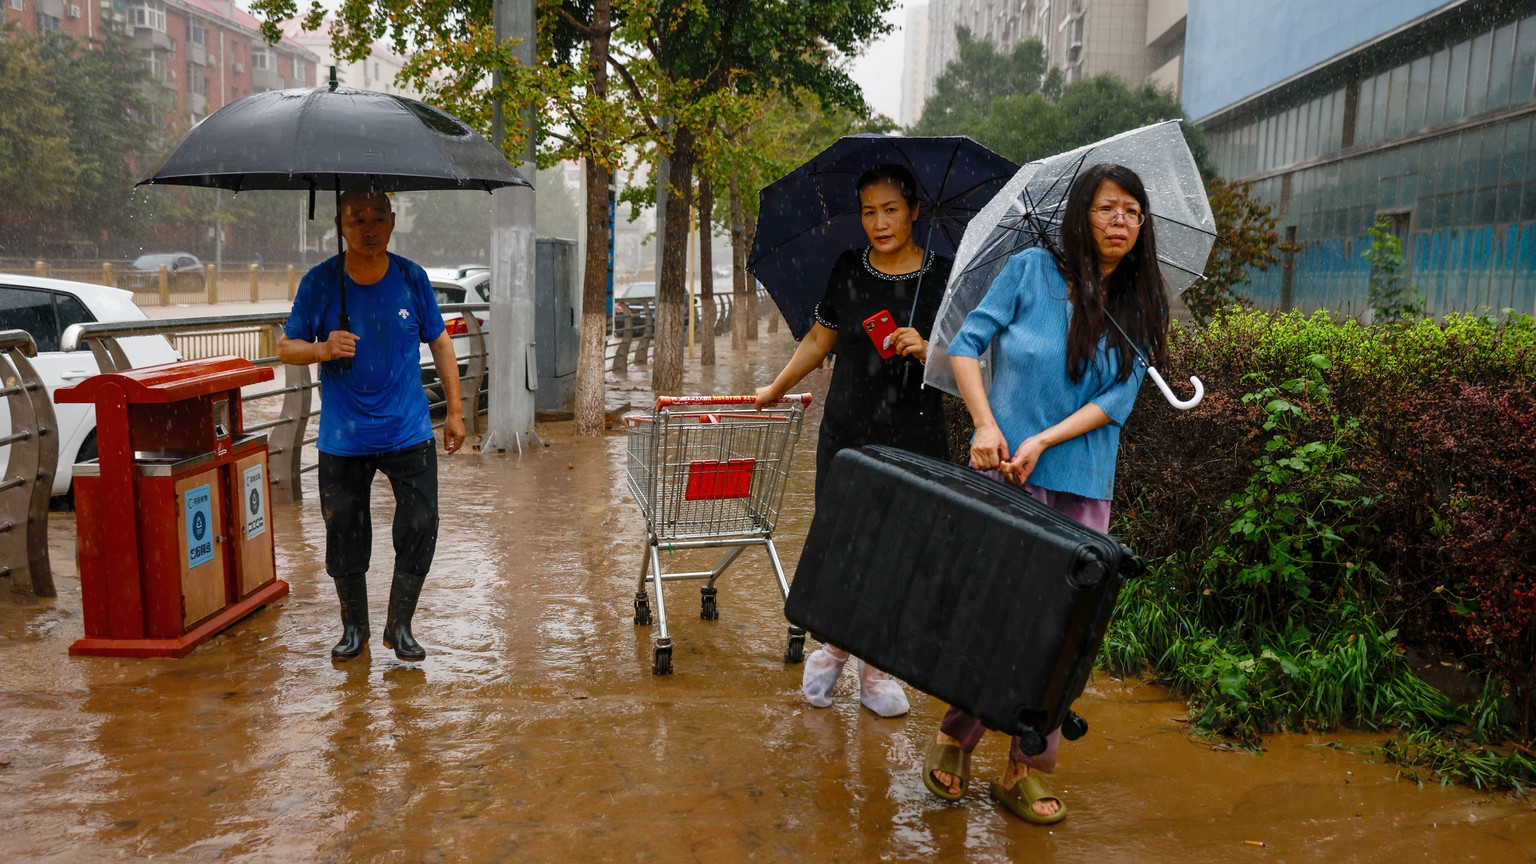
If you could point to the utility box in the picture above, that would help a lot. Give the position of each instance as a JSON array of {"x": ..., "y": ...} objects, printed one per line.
[
  {"x": 174, "y": 515},
  {"x": 558, "y": 322}
]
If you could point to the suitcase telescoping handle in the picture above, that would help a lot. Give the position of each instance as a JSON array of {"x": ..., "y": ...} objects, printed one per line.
[{"x": 666, "y": 401}]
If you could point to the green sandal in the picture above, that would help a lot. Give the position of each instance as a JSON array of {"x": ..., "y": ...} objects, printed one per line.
[
  {"x": 1021, "y": 799},
  {"x": 950, "y": 759}
]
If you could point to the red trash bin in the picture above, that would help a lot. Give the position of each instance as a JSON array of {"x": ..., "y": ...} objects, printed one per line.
[{"x": 173, "y": 517}]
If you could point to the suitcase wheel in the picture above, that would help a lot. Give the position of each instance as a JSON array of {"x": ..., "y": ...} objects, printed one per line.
[
  {"x": 795, "y": 651},
  {"x": 1032, "y": 743},
  {"x": 1073, "y": 726},
  {"x": 642, "y": 609},
  {"x": 663, "y": 665},
  {"x": 708, "y": 610}
]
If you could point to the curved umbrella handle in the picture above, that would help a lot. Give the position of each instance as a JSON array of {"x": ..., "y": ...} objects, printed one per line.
[{"x": 1181, "y": 404}]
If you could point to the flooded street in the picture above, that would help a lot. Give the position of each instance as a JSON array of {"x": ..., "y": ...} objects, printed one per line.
[{"x": 535, "y": 731}]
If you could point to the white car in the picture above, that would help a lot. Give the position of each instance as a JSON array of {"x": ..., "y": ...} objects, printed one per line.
[
  {"x": 44, "y": 308},
  {"x": 468, "y": 284}
]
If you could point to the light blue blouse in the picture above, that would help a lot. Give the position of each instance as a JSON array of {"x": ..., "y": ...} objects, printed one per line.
[{"x": 1027, "y": 310}]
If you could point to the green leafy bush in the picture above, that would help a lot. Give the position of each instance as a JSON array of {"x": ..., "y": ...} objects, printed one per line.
[{"x": 1343, "y": 494}]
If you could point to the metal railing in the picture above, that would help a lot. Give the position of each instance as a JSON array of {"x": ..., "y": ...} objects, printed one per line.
[
  {"x": 288, "y": 438},
  {"x": 631, "y": 334},
  {"x": 33, "y": 445}
]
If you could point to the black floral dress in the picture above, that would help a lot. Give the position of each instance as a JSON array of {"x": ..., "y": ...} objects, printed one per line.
[{"x": 873, "y": 400}]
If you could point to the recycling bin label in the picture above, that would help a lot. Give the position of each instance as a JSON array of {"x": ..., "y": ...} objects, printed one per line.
[
  {"x": 255, "y": 502},
  {"x": 199, "y": 519}
]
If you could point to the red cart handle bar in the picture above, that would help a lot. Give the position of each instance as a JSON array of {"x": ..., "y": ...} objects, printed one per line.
[{"x": 666, "y": 401}]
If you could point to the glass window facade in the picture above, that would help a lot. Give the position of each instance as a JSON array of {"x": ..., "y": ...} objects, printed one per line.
[{"x": 1444, "y": 143}]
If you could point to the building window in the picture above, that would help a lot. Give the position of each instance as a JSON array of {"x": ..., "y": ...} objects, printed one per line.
[
  {"x": 19, "y": 5},
  {"x": 261, "y": 58},
  {"x": 47, "y": 23},
  {"x": 150, "y": 16},
  {"x": 198, "y": 83},
  {"x": 196, "y": 35},
  {"x": 298, "y": 71}
]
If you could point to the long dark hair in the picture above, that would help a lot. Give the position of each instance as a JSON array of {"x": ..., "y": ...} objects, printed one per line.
[
  {"x": 1135, "y": 295},
  {"x": 894, "y": 175}
]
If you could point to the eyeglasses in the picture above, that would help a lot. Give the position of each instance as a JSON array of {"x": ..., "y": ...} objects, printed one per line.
[{"x": 1107, "y": 215}]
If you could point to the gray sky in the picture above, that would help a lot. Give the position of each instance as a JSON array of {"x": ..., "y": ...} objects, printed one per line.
[{"x": 878, "y": 70}]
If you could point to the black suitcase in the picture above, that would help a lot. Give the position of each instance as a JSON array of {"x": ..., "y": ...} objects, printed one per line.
[{"x": 966, "y": 588}]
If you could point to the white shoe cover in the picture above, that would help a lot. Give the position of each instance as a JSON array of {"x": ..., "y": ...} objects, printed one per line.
[
  {"x": 820, "y": 676},
  {"x": 880, "y": 693}
]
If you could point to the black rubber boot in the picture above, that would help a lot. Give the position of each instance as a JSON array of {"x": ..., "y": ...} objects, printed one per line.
[
  {"x": 352, "y": 591},
  {"x": 403, "y": 594}
]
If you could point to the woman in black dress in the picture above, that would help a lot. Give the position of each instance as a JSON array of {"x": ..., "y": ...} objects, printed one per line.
[{"x": 873, "y": 399}]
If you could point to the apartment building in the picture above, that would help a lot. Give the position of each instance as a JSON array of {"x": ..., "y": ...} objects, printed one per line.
[
  {"x": 379, "y": 71},
  {"x": 201, "y": 54},
  {"x": 1138, "y": 40}
]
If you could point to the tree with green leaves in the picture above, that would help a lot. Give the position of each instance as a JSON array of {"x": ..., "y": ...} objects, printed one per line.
[
  {"x": 1245, "y": 239},
  {"x": 36, "y": 164}
]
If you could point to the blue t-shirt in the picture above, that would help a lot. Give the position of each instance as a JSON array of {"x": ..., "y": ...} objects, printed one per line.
[
  {"x": 1027, "y": 309},
  {"x": 378, "y": 405}
]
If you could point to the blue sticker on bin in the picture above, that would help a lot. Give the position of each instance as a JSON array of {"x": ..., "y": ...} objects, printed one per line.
[{"x": 199, "y": 521}]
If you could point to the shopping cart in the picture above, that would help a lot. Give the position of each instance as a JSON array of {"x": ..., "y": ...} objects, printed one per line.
[{"x": 707, "y": 476}]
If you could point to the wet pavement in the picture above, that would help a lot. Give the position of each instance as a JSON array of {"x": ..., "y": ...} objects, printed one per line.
[{"x": 535, "y": 731}]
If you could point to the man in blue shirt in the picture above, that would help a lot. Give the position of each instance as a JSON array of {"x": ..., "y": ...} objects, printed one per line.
[{"x": 374, "y": 413}]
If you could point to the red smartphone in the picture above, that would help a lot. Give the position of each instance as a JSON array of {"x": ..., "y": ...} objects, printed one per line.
[{"x": 879, "y": 326}]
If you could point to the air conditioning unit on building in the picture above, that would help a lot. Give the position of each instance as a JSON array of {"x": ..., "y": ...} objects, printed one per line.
[
  {"x": 74, "y": 11},
  {"x": 239, "y": 67}
]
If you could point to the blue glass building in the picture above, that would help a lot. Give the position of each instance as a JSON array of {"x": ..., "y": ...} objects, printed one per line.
[{"x": 1340, "y": 112}]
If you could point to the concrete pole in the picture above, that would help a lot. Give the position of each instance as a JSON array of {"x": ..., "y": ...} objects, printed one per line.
[{"x": 513, "y": 374}]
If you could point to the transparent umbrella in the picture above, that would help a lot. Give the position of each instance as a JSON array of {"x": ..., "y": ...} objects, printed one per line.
[{"x": 1027, "y": 212}]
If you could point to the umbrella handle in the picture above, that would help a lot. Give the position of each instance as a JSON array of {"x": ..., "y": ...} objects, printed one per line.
[{"x": 1181, "y": 404}]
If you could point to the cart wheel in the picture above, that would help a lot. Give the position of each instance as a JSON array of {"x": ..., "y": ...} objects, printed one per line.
[
  {"x": 795, "y": 652},
  {"x": 642, "y": 609},
  {"x": 1073, "y": 727},
  {"x": 707, "y": 608},
  {"x": 663, "y": 660}
]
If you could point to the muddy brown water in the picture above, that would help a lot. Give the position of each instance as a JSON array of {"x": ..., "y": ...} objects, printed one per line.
[{"x": 534, "y": 731}]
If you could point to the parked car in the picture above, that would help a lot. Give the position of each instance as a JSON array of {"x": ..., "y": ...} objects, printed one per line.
[
  {"x": 45, "y": 308},
  {"x": 452, "y": 286},
  {"x": 187, "y": 272},
  {"x": 633, "y": 306}
]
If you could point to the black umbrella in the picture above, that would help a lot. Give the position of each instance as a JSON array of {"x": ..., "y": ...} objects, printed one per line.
[
  {"x": 334, "y": 138},
  {"x": 810, "y": 216}
]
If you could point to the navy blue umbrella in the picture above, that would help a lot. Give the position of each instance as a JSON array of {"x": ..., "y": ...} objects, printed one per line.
[{"x": 810, "y": 216}]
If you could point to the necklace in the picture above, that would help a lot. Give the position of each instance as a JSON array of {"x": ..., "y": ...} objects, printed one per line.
[{"x": 897, "y": 277}]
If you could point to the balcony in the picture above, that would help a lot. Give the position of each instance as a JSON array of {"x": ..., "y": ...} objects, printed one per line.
[
  {"x": 150, "y": 39},
  {"x": 197, "y": 54},
  {"x": 197, "y": 105},
  {"x": 265, "y": 79}
]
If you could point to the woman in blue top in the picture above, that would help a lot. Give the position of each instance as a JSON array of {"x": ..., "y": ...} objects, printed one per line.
[{"x": 1064, "y": 382}]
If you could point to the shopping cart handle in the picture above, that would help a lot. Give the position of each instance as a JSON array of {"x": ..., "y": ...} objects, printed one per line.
[{"x": 665, "y": 401}]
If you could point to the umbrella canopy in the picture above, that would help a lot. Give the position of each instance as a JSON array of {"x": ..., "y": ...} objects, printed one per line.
[
  {"x": 810, "y": 216},
  {"x": 331, "y": 138},
  {"x": 1028, "y": 210}
]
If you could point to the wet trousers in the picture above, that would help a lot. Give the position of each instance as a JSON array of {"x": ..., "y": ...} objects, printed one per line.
[
  {"x": 968, "y": 730},
  {"x": 345, "y": 486}
]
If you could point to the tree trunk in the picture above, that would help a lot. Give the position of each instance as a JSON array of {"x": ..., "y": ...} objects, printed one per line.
[
  {"x": 671, "y": 287},
  {"x": 706, "y": 274},
  {"x": 590, "y": 378},
  {"x": 743, "y": 313},
  {"x": 590, "y": 375}
]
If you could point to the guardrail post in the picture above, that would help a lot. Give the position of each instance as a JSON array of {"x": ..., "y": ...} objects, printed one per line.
[
  {"x": 212, "y": 285},
  {"x": 469, "y": 388},
  {"x": 28, "y": 480},
  {"x": 255, "y": 282},
  {"x": 621, "y": 337},
  {"x": 293, "y": 283},
  {"x": 165, "y": 285},
  {"x": 285, "y": 445},
  {"x": 40, "y": 268},
  {"x": 647, "y": 327},
  {"x": 106, "y": 274}
]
